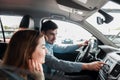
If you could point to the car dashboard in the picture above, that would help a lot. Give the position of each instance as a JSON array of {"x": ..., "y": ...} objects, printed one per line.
[{"x": 111, "y": 68}]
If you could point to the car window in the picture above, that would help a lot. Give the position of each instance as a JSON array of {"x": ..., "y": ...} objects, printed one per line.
[
  {"x": 10, "y": 24},
  {"x": 70, "y": 33},
  {"x": 110, "y": 30}
]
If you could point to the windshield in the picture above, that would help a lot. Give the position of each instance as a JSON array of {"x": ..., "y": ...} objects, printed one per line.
[
  {"x": 110, "y": 30},
  {"x": 70, "y": 33}
]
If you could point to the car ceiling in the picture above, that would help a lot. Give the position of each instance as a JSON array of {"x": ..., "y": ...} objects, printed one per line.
[{"x": 51, "y": 7}]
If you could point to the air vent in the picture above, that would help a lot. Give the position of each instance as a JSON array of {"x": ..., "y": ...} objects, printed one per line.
[{"x": 116, "y": 71}]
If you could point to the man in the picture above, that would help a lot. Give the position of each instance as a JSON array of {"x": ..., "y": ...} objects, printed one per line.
[{"x": 53, "y": 64}]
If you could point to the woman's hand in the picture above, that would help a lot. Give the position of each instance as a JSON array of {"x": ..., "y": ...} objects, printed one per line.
[
  {"x": 34, "y": 65},
  {"x": 36, "y": 69}
]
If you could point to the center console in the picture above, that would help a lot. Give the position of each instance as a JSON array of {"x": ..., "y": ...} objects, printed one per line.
[{"x": 111, "y": 68}]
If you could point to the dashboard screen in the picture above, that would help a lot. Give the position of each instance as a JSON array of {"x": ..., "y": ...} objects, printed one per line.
[{"x": 109, "y": 62}]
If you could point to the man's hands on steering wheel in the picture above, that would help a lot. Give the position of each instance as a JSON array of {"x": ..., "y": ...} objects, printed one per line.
[
  {"x": 83, "y": 51},
  {"x": 84, "y": 43}
]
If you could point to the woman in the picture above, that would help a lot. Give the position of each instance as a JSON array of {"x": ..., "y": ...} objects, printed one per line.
[{"x": 26, "y": 50}]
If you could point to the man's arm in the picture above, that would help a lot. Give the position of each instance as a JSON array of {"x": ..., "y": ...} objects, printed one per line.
[
  {"x": 68, "y": 48},
  {"x": 65, "y": 48},
  {"x": 68, "y": 66},
  {"x": 61, "y": 65}
]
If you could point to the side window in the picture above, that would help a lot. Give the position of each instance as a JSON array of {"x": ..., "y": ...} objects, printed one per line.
[
  {"x": 10, "y": 24},
  {"x": 69, "y": 33}
]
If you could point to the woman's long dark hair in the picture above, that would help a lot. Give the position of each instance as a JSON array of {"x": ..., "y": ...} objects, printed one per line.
[{"x": 21, "y": 48}]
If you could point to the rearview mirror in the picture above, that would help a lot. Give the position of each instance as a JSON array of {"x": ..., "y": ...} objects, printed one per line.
[
  {"x": 108, "y": 18},
  {"x": 99, "y": 20}
]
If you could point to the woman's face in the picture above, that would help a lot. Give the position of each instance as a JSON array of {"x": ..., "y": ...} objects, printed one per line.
[{"x": 40, "y": 51}]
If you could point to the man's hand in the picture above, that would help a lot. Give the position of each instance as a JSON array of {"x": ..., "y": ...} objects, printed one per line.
[
  {"x": 83, "y": 43},
  {"x": 96, "y": 66}
]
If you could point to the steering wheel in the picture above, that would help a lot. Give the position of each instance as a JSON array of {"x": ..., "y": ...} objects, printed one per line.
[{"x": 83, "y": 52}]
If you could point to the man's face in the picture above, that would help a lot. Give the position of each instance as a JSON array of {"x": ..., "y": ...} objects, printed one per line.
[{"x": 51, "y": 36}]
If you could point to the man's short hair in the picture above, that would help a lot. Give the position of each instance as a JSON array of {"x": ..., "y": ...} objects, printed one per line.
[{"x": 48, "y": 25}]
